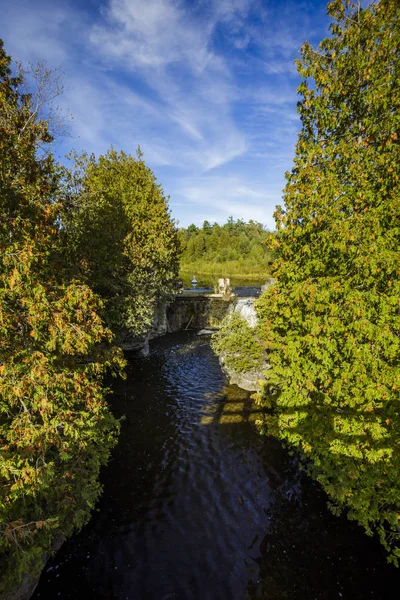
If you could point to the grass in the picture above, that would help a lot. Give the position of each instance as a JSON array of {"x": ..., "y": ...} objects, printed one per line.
[{"x": 235, "y": 269}]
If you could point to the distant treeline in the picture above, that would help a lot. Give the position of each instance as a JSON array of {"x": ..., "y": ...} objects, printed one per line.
[{"x": 239, "y": 246}]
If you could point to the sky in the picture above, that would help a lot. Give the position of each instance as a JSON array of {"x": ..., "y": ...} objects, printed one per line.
[{"x": 207, "y": 88}]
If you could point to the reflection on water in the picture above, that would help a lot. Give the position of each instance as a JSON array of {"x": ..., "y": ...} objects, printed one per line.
[{"x": 197, "y": 506}]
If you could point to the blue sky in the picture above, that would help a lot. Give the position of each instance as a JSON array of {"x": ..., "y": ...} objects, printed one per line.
[{"x": 206, "y": 87}]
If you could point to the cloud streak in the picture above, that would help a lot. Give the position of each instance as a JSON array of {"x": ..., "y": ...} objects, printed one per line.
[
  {"x": 191, "y": 82},
  {"x": 208, "y": 89}
]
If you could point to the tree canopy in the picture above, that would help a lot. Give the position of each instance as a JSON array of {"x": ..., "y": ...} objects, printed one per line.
[
  {"x": 55, "y": 426},
  {"x": 118, "y": 226},
  {"x": 235, "y": 247},
  {"x": 332, "y": 321}
]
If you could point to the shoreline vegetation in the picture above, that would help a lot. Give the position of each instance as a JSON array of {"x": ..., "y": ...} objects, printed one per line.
[
  {"x": 237, "y": 250},
  {"x": 87, "y": 252},
  {"x": 231, "y": 269}
]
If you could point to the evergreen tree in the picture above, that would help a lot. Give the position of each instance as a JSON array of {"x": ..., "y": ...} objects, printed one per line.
[
  {"x": 332, "y": 321},
  {"x": 118, "y": 225},
  {"x": 55, "y": 427},
  {"x": 244, "y": 244}
]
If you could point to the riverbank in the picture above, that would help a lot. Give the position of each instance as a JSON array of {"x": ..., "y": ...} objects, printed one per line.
[{"x": 240, "y": 272}]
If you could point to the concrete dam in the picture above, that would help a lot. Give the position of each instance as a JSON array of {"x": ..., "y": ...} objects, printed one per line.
[{"x": 206, "y": 311}]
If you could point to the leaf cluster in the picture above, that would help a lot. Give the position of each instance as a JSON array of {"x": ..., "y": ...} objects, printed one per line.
[
  {"x": 332, "y": 321},
  {"x": 56, "y": 429}
]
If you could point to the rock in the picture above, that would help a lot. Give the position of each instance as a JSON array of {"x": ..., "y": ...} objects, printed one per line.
[
  {"x": 130, "y": 343},
  {"x": 160, "y": 322},
  {"x": 248, "y": 380},
  {"x": 145, "y": 351},
  {"x": 197, "y": 312},
  {"x": 23, "y": 590}
]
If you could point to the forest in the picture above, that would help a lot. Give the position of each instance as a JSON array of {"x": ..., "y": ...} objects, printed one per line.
[
  {"x": 89, "y": 249},
  {"x": 234, "y": 248}
]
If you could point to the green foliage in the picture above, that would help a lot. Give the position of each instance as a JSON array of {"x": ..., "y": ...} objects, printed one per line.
[
  {"x": 333, "y": 319},
  {"x": 234, "y": 248},
  {"x": 240, "y": 272},
  {"x": 238, "y": 344},
  {"x": 55, "y": 427},
  {"x": 117, "y": 224}
]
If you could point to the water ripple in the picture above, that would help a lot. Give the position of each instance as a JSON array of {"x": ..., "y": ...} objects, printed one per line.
[{"x": 197, "y": 506}]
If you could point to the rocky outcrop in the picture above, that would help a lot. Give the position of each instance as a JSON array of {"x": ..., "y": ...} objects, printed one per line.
[
  {"x": 24, "y": 589},
  {"x": 248, "y": 380},
  {"x": 129, "y": 342}
]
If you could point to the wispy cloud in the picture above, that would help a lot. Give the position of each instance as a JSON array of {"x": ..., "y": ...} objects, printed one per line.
[
  {"x": 221, "y": 196},
  {"x": 170, "y": 46},
  {"x": 208, "y": 89}
]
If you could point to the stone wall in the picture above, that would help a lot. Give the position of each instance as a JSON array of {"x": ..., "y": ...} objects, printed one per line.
[
  {"x": 197, "y": 312},
  {"x": 191, "y": 312}
]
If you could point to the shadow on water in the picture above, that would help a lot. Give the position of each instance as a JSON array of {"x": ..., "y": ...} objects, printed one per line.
[{"x": 198, "y": 506}]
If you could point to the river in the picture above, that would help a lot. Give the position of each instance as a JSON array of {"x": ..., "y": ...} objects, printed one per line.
[{"x": 198, "y": 506}]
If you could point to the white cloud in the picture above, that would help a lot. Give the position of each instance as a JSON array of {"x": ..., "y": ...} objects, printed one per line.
[
  {"x": 172, "y": 51},
  {"x": 206, "y": 88},
  {"x": 223, "y": 196},
  {"x": 150, "y": 34}
]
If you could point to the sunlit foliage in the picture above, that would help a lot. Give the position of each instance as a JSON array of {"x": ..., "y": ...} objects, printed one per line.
[
  {"x": 118, "y": 226},
  {"x": 55, "y": 427},
  {"x": 235, "y": 248},
  {"x": 240, "y": 345},
  {"x": 333, "y": 319}
]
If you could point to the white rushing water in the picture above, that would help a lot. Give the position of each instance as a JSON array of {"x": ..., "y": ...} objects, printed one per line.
[{"x": 245, "y": 308}]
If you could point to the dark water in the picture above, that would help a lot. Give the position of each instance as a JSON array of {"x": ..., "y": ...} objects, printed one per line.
[
  {"x": 197, "y": 506},
  {"x": 247, "y": 290}
]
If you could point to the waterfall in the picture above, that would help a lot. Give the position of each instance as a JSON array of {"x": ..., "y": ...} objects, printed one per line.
[{"x": 245, "y": 308}]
